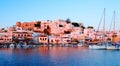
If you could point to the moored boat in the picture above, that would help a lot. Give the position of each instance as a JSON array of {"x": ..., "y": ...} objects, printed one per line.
[
  {"x": 12, "y": 45},
  {"x": 100, "y": 47},
  {"x": 19, "y": 46},
  {"x": 112, "y": 48}
]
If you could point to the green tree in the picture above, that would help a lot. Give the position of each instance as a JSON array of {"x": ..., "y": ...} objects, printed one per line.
[
  {"x": 16, "y": 40},
  {"x": 47, "y": 31},
  {"x": 90, "y": 27},
  {"x": 68, "y": 20}
]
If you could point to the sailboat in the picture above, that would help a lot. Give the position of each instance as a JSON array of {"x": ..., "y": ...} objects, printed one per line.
[
  {"x": 99, "y": 45},
  {"x": 113, "y": 45}
]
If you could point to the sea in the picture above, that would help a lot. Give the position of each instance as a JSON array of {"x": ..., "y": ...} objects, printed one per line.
[{"x": 58, "y": 56}]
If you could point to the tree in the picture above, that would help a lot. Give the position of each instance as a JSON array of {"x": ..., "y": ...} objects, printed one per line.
[
  {"x": 67, "y": 32},
  {"x": 75, "y": 40},
  {"x": 82, "y": 27},
  {"x": 16, "y": 40},
  {"x": 90, "y": 27},
  {"x": 47, "y": 31},
  {"x": 68, "y": 20},
  {"x": 75, "y": 24},
  {"x": 3, "y": 28},
  {"x": 60, "y": 25},
  {"x": 38, "y": 24}
]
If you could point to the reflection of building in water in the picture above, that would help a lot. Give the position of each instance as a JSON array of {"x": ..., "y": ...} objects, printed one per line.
[
  {"x": 23, "y": 51},
  {"x": 44, "y": 50}
]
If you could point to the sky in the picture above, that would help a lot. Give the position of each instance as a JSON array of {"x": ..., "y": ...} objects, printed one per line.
[{"x": 87, "y": 11}]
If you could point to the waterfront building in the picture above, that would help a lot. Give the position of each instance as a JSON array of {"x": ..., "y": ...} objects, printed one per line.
[
  {"x": 36, "y": 36},
  {"x": 54, "y": 39},
  {"x": 90, "y": 33},
  {"x": 0, "y": 30},
  {"x": 60, "y": 30},
  {"x": 21, "y": 35},
  {"x": 76, "y": 32},
  {"x": 43, "y": 39},
  {"x": 65, "y": 38},
  {"x": 44, "y": 24},
  {"x": 5, "y": 37},
  {"x": 28, "y": 25}
]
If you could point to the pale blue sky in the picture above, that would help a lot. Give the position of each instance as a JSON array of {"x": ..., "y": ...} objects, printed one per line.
[{"x": 86, "y": 11}]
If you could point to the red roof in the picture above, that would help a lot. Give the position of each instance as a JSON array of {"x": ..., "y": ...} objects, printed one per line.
[{"x": 42, "y": 36}]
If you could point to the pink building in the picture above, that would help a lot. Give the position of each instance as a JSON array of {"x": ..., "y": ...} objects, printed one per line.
[
  {"x": 45, "y": 24},
  {"x": 5, "y": 37},
  {"x": 65, "y": 38},
  {"x": 90, "y": 33},
  {"x": 22, "y": 34},
  {"x": 55, "y": 40}
]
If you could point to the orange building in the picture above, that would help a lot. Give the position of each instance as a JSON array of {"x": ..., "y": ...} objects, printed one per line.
[{"x": 28, "y": 25}]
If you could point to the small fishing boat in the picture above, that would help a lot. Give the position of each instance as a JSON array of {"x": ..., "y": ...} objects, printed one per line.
[
  {"x": 25, "y": 45},
  {"x": 19, "y": 46},
  {"x": 12, "y": 45},
  {"x": 80, "y": 45}
]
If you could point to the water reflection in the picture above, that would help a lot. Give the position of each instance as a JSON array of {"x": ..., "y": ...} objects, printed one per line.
[{"x": 55, "y": 56}]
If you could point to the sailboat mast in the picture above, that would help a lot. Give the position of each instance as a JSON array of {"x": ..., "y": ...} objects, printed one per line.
[
  {"x": 114, "y": 22},
  {"x": 104, "y": 21}
]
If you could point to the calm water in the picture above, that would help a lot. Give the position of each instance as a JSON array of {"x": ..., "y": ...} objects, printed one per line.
[{"x": 59, "y": 56}]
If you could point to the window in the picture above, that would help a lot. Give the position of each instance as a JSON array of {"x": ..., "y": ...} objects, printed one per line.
[
  {"x": 40, "y": 38},
  {"x": 18, "y": 35},
  {"x": 45, "y": 38},
  {"x": 44, "y": 25},
  {"x": 28, "y": 35}
]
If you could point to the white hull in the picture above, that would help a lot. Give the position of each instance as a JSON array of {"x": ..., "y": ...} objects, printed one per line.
[
  {"x": 25, "y": 46},
  {"x": 12, "y": 45},
  {"x": 18, "y": 46},
  {"x": 104, "y": 47},
  {"x": 112, "y": 48},
  {"x": 80, "y": 45},
  {"x": 97, "y": 47}
]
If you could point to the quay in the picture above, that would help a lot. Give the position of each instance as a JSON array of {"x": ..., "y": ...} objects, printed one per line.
[{"x": 9, "y": 45}]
